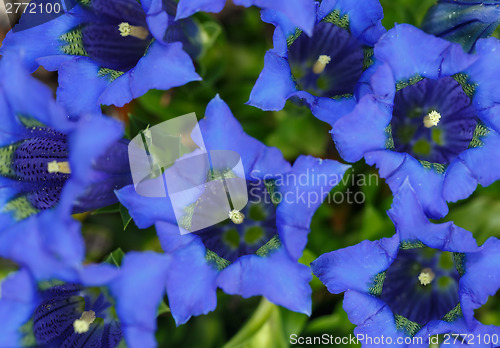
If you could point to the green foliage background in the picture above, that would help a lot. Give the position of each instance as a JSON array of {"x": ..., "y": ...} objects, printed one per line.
[{"x": 235, "y": 42}]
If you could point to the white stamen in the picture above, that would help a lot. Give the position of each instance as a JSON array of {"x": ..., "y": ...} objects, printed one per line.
[
  {"x": 131, "y": 30},
  {"x": 58, "y": 167},
  {"x": 321, "y": 64},
  {"x": 426, "y": 276},
  {"x": 432, "y": 119},
  {"x": 82, "y": 325},
  {"x": 236, "y": 216}
]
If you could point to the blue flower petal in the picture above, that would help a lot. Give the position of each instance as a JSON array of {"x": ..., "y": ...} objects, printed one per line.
[
  {"x": 361, "y": 131},
  {"x": 156, "y": 17},
  {"x": 364, "y": 21},
  {"x": 187, "y": 8},
  {"x": 315, "y": 178},
  {"x": 191, "y": 280},
  {"x": 16, "y": 306},
  {"x": 474, "y": 166},
  {"x": 145, "y": 211},
  {"x": 162, "y": 67},
  {"x": 274, "y": 276},
  {"x": 89, "y": 88},
  {"x": 221, "y": 131},
  {"x": 138, "y": 292},
  {"x": 274, "y": 85},
  {"x": 355, "y": 267},
  {"x": 480, "y": 268},
  {"x": 425, "y": 182}
]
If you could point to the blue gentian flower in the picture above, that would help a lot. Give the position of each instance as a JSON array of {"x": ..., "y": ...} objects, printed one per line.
[
  {"x": 254, "y": 255},
  {"x": 108, "y": 51},
  {"x": 424, "y": 281},
  {"x": 463, "y": 22},
  {"x": 427, "y": 112},
  {"x": 96, "y": 308},
  {"x": 301, "y": 13},
  {"x": 321, "y": 69},
  {"x": 51, "y": 167}
]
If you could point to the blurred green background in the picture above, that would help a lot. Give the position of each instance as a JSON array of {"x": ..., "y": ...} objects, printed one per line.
[{"x": 236, "y": 40}]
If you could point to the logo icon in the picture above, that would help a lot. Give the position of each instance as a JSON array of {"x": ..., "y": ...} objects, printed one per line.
[{"x": 205, "y": 186}]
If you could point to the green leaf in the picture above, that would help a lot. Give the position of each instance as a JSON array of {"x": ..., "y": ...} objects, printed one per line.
[
  {"x": 115, "y": 257},
  {"x": 162, "y": 309},
  {"x": 126, "y": 218}
]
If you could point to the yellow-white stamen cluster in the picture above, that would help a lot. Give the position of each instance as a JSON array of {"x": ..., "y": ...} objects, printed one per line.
[
  {"x": 58, "y": 167},
  {"x": 432, "y": 119},
  {"x": 321, "y": 64},
  {"x": 426, "y": 276},
  {"x": 131, "y": 30},
  {"x": 82, "y": 325},
  {"x": 236, "y": 216}
]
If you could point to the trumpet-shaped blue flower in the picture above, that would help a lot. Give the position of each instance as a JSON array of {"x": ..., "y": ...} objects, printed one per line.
[
  {"x": 51, "y": 167},
  {"x": 321, "y": 69},
  {"x": 108, "y": 51},
  {"x": 256, "y": 252},
  {"x": 98, "y": 307},
  {"x": 427, "y": 111},
  {"x": 463, "y": 22},
  {"x": 299, "y": 12},
  {"x": 426, "y": 280}
]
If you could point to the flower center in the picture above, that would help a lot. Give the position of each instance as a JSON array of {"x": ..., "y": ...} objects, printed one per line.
[
  {"x": 433, "y": 120},
  {"x": 247, "y": 231},
  {"x": 329, "y": 63},
  {"x": 422, "y": 284},
  {"x": 82, "y": 325},
  {"x": 426, "y": 276}
]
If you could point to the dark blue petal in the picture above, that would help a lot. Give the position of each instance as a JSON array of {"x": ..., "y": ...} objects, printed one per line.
[
  {"x": 364, "y": 20},
  {"x": 427, "y": 183},
  {"x": 481, "y": 278},
  {"x": 146, "y": 210},
  {"x": 355, "y": 267},
  {"x": 410, "y": 52},
  {"x": 316, "y": 178},
  {"x": 17, "y": 303},
  {"x": 89, "y": 88},
  {"x": 162, "y": 67},
  {"x": 187, "y": 8},
  {"x": 30, "y": 44},
  {"x": 302, "y": 13},
  {"x": 373, "y": 318},
  {"x": 191, "y": 280},
  {"x": 362, "y": 131},
  {"x": 139, "y": 291},
  {"x": 276, "y": 277},
  {"x": 472, "y": 167},
  {"x": 221, "y": 131},
  {"x": 411, "y": 224},
  {"x": 274, "y": 85},
  {"x": 462, "y": 22},
  {"x": 487, "y": 89}
]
